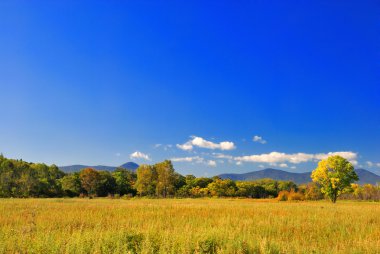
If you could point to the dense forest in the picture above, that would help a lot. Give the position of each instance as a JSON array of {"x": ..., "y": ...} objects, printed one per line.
[{"x": 23, "y": 179}]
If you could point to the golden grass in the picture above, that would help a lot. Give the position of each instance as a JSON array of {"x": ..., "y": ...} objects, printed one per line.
[{"x": 187, "y": 226}]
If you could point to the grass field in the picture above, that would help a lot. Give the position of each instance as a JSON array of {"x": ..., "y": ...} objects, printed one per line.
[{"x": 187, "y": 226}]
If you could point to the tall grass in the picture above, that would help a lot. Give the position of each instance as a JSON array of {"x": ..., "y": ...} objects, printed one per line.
[{"x": 187, "y": 226}]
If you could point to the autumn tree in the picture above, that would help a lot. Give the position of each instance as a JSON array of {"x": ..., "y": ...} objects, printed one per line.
[
  {"x": 166, "y": 178},
  {"x": 146, "y": 180},
  {"x": 90, "y": 180},
  {"x": 222, "y": 188},
  {"x": 334, "y": 175}
]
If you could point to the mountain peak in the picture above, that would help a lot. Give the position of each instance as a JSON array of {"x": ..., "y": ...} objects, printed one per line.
[{"x": 129, "y": 165}]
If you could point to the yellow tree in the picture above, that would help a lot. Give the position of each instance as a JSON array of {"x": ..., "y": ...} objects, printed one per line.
[
  {"x": 334, "y": 175},
  {"x": 165, "y": 178},
  {"x": 146, "y": 180}
]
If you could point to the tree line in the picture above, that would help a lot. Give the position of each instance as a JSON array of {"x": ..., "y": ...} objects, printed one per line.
[{"x": 23, "y": 179}]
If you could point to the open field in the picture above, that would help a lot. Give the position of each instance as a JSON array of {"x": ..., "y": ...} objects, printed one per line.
[{"x": 187, "y": 226}]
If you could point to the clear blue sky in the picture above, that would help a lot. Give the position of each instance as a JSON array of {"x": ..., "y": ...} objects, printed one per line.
[{"x": 93, "y": 82}]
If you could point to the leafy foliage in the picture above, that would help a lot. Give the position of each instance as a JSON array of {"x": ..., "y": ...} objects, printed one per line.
[{"x": 335, "y": 175}]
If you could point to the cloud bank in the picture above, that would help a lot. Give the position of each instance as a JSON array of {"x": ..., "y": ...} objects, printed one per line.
[{"x": 295, "y": 158}]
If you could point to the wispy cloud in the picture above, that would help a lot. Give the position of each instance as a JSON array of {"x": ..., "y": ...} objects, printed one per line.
[
  {"x": 165, "y": 147},
  {"x": 259, "y": 139},
  {"x": 195, "y": 159},
  {"x": 222, "y": 156},
  {"x": 202, "y": 143},
  {"x": 139, "y": 155}
]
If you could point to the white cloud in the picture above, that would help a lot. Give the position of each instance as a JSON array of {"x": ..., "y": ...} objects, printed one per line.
[
  {"x": 139, "y": 155},
  {"x": 185, "y": 147},
  {"x": 239, "y": 163},
  {"x": 196, "y": 159},
  {"x": 378, "y": 165},
  {"x": 293, "y": 167},
  {"x": 165, "y": 147},
  {"x": 202, "y": 143},
  {"x": 370, "y": 164},
  {"x": 259, "y": 139},
  {"x": 211, "y": 163},
  {"x": 222, "y": 156},
  {"x": 296, "y": 158},
  {"x": 283, "y": 165}
]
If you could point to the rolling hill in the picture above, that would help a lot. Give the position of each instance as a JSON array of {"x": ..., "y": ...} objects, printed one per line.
[
  {"x": 365, "y": 176},
  {"x": 75, "y": 168}
]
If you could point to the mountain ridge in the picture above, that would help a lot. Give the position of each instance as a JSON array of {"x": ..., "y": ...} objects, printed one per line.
[
  {"x": 77, "y": 167},
  {"x": 365, "y": 176}
]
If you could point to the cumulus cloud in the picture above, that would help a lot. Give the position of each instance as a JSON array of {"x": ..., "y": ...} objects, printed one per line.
[
  {"x": 295, "y": 158},
  {"x": 283, "y": 165},
  {"x": 259, "y": 139},
  {"x": 139, "y": 155},
  {"x": 202, "y": 143},
  {"x": 211, "y": 163}
]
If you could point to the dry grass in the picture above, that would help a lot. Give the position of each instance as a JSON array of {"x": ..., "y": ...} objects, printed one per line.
[{"x": 187, "y": 226}]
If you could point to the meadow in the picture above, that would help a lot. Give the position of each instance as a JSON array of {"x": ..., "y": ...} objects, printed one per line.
[{"x": 187, "y": 226}]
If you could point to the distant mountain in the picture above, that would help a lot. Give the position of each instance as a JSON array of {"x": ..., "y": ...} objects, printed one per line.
[
  {"x": 75, "y": 168},
  {"x": 130, "y": 165},
  {"x": 270, "y": 173},
  {"x": 365, "y": 176}
]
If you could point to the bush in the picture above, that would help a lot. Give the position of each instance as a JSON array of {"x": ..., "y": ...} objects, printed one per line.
[
  {"x": 283, "y": 195},
  {"x": 290, "y": 196}
]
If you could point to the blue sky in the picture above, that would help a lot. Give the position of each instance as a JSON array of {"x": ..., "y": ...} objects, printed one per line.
[{"x": 105, "y": 82}]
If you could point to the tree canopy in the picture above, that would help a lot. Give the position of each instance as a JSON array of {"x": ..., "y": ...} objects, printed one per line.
[{"x": 334, "y": 175}]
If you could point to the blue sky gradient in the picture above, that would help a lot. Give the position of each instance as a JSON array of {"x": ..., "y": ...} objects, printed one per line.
[{"x": 92, "y": 82}]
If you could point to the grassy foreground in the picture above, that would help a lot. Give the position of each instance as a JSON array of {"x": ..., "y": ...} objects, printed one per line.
[{"x": 187, "y": 226}]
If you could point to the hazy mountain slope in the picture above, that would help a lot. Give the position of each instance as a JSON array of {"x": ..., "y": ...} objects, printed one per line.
[
  {"x": 365, "y": 176},
  {"x": 75, "y": 168}
]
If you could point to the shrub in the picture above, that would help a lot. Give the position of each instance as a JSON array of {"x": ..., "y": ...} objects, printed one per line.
[{"x": 283, "y": 195}]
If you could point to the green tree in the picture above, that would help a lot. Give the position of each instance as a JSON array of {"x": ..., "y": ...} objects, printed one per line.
[
  {"x": 107, "y": 184},
  {"x": 71, "y": 185},
  {"x": 166, "y": 178},
  {"x": 334, "y": 175},
  {"x": 90, "y": 180},
  {"x": 124, "y": 180},
  {"x": 222, "y": 188},
  {"x": 146, "y": 180}
]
